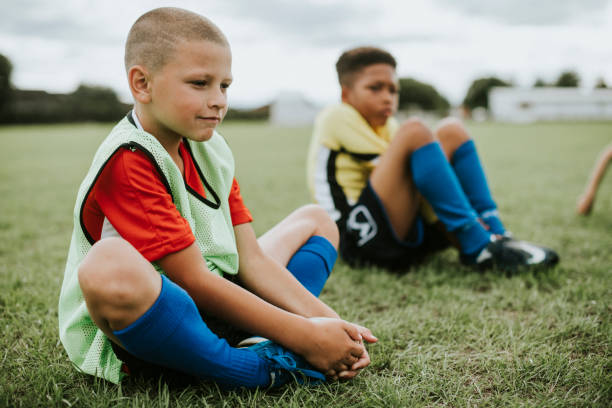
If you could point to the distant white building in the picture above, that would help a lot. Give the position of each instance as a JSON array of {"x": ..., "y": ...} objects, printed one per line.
[
  {"x": 292, "y": 109},
  {"x": 529, "y": 105}
]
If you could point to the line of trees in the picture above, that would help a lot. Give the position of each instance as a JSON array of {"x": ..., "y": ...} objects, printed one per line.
[
  {"x": 96, "y": 103},
  {"x": 478, "y": 93},
  {"x": 414, "y": 94},
  {"x": 6, "y": 68},
  {"x": 568, "y": 79},
  {"x": 86, "y": 103}
]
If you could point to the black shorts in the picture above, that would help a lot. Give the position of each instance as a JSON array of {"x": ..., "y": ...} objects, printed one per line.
[{"x": 367, "y": 237}]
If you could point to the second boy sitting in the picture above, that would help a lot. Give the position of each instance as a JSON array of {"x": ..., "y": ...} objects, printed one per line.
[{"x": 371, "y": 175}]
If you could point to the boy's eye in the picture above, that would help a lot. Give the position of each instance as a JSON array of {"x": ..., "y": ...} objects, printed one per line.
[
  {"x": 199, "y": 83},
  {"x": 379, "y": 87},
  {"x": 225, "y": 85}
]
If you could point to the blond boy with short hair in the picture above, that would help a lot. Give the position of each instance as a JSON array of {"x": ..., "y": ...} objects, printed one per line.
[{"x": 160, "y": 224}]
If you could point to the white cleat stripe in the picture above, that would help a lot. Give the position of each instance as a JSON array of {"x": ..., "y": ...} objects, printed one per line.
[
  {"x": 483, "y": 256},
  {"x": 537, "y": 255}
]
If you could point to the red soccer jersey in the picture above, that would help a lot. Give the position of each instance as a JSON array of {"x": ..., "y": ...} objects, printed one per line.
[{"x": 131, "y": 195}]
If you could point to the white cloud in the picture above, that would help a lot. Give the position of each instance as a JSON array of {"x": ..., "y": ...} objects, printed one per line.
[
  {"x": 283, "y": 44},
  {"x": 529, "y": 12}
]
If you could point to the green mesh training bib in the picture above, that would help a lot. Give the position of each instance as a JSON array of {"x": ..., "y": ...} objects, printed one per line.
[{"x": 87, "y": 346}]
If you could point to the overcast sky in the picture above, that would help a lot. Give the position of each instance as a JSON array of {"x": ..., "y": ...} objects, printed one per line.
[{"x": 292, "y": 45}]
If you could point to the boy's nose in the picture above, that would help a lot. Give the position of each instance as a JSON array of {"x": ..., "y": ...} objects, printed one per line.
[
  {"x": 388, "y": 96},
  {"x": 218, "y": 99}
]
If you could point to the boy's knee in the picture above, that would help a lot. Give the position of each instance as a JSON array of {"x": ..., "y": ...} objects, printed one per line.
[
  {"x": 413, "y": 134},
  {"x": 108, "y": 273},
  {"x": 324, "y": 225},
  {"x": 451, "y": 132}
]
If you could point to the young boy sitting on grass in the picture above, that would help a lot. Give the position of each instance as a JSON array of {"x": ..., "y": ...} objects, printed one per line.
[
  {"x": 162, "y": 239},
  {"x": 371, "y": 175}
]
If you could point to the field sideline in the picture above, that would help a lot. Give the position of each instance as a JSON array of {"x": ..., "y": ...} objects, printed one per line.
[{"x": 449, "y": 336}]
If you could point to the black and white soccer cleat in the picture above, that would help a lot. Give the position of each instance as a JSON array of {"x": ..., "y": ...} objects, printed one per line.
[{"x": 510, "y": 255}]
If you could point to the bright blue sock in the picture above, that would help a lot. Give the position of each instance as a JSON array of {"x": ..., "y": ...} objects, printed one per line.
[
  {"x": 312, "y": 263},
  {"x": 172, "y": 334},
  {"x": 437, "y": 182},
  {"x": 469, "y": 171}
]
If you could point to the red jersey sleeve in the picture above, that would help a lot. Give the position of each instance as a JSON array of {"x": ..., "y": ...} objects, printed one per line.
[
  {"x": 133, "y": 198},
  {"x": 239, "y": 212}
]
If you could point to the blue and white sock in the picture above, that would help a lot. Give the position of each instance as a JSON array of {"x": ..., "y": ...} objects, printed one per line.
[
  {"x": 172, "y": 334},
  {"x": 312, "y": 263},
  {"x": 469, "y": 171},
  {"x": 437, "y": 182}
]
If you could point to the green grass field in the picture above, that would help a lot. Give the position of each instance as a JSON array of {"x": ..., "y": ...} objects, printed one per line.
[{"x": 449, "y": 336}]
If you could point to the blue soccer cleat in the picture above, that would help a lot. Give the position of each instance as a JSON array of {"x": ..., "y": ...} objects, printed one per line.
[{"x": 285, "y": 365}]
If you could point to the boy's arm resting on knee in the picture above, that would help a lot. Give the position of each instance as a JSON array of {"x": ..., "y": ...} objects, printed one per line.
[
  {"x": 271, "y": 281},
  {"x": 330, "y": 343}
]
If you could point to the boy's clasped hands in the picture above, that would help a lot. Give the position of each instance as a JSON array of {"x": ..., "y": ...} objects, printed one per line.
[{"x": 337, "y": 347}]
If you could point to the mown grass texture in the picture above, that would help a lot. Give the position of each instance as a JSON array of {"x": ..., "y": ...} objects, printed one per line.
[{"x": 449, "y": 336}]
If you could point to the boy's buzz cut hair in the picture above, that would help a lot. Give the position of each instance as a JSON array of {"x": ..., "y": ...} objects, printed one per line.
[
  {"x": 154, "y": 36},
  {"x": 354, "y": 60}
]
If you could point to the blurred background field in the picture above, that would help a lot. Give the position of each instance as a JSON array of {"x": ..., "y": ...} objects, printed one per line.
[{"x": 448, "y": 335}]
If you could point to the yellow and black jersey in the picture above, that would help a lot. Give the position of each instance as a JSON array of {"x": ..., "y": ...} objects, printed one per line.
[{"x": 343, "y": 152}]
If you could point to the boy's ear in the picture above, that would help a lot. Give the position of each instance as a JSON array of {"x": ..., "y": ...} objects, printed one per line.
[
  {"x": 346, "y": 90},
  {"x": 139, "y": 81}
]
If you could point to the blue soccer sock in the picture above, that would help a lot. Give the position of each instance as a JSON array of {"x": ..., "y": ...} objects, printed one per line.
[
  {"x": 312, "y": 263},
  {"x": 172, "y": 334},
  {"x": 437, "y": 182},
  {"x": 469, "y": 171}
]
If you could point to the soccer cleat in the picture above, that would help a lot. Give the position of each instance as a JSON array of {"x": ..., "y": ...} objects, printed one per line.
[
  {"x": 537, "y": 255},
  {"x": 509, "y": 254},
  {"x": 286, "y": 366},
  {"x": 251, "y": 341}
]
